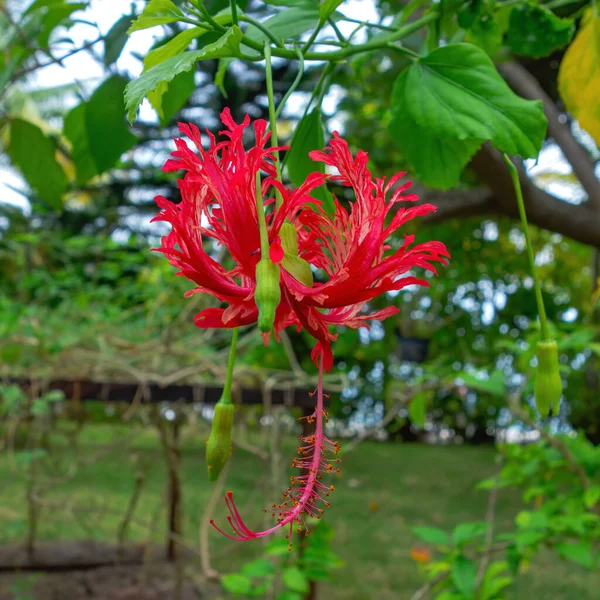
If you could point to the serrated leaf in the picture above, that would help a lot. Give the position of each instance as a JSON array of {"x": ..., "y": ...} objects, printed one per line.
[
  {"x": 579, "y": 76},
  {"x": 115, "y": 39},
  {"x": 169, "y": 50},
  {"x": 236, "y": 584},
  {"x": 432, "y": 535},
  {"x": 437, "y": 162},
  {"x": 107, "y": 133},
  {"x": 308, "y": 136},
  {"x": 52, "y": 14},
  {"x": 295, "y": 580},
  {"x": 464, "y": 574},
  {"x": 456, "y": 93},
  {"x": 580, "y": 553},
  {"x": 156, "y": 12},
  {"x": 536, "y": 31},
  {"x": 227, "y": 45},
  {"x": 34, "y": 154},
  {"x": 467, "y": 532}
]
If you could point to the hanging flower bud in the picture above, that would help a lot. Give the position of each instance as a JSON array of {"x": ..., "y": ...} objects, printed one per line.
[
  {"x": 548, "y": 384},
  {"x": 297, "y": 267},
  {"x": 218, "y": 447},
  {"x": 268, "y": 293}
]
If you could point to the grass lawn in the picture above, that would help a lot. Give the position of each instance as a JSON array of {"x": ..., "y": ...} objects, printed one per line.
[{"x": 382, "y": 492}]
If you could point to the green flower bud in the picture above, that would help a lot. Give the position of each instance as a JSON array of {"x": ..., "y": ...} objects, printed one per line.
[
  {"x": 297, "y": 267},
  {"x": 218, "y": 447},
  {"x": 548, "y": 384},
  {"x": 267, "y": 294}
]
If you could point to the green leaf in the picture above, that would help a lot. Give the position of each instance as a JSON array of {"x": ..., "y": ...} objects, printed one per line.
[
  {"x": 295, "y": 580},
  {"x": 591, "y": 496},
  {"x": 258, "y": 568},
  {"x": 287, "y": 595},
  {"x": 75, "y": 131},
  {"x": 432, "y": 535},
  {"x": 536, "y": 31},
  {"x": 107, "y": 133},
  {"x": 227, "y": 45},
  {"x": 289, "y": 23},
  {"x": 220, "y": 74},
  {"x": 327, "y": 8},
  {"x": 34, "y": 154},
  {"x": 437, "y": 162},
  {"x": 464, "y": 574},
  {"x": 236, "y": 584},
  {"x": 467, "y": 532},
  {"x": 456, "y": 93},
  {"x": 53, "y": 13},
  {"x": 493, "y": 385},
  {"x": 308, "y": 136},
  {"x": 169, "y": 50},
  {"x": 177, "y": 96},
  {"x": 157, "y": 12},
  {"x": 580, "y": 553},
  {"x": 278, "y": 547},
  {"x": 116, "y": 39},
  {"x": 417, "y": 409},
  {"x": 486, "y": 33}
]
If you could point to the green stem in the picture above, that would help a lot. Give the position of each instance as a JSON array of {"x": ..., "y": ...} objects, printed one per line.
[
  {"x": 272, "y": 119},
  {"x": 514, "y": 174},
  {"x": 338, "y": 33},
  {"x": 343, "y": 53},
  {"x": 259, "y": 25},
  {"x": 262, "y": 220},
  {"x": 234, "y": 15},
  {"x": 226, "y": 397},
  {"x": 313, "y": 36},
  {"x": 294, "y": 85}
]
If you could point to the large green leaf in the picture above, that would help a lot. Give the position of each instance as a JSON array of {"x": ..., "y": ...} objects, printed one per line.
[
  {"x": 51, "y": 14},
  {"x": 417, "y": 409},
  {"x": 115, "y": 39},
  {"x": 74, "y": 129},
  {"x": 536, "y": 31},
  {"x": 157, "y": 12},
  {"x": 176, "y": 97},
  {"x": 34, "y": 154},
  {"x": 456, "y": 93},
  {"x": 308, "y": 136},
  {"x": 237, "y": 584},
  {"x": 107, "y": 132},
  {"x": 436, "y": 161},
  {"x": 227, "y": 45},
  {"x": 288, "y": 23},
  {"x": 169, "y": 50}
]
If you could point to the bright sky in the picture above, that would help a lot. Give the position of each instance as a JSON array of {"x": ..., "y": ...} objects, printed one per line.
[{"x": 82, "y": 67}]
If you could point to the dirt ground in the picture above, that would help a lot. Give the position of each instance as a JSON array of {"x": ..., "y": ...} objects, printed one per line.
[{"x": 77, "y": 573}]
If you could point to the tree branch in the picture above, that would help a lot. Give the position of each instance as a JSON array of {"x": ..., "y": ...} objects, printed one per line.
[{"x": 527, "y": 86}]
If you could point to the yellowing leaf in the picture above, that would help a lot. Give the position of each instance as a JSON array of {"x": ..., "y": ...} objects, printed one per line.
[{"x": 579, "y": 76}]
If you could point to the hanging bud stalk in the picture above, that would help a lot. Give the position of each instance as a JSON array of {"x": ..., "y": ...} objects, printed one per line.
[
  {"x": 548, "y": 384},
  {"x": 218, "y": 446}
]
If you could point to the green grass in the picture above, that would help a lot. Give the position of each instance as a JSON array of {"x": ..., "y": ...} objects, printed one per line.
[{"x": 383, "y": 491}]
